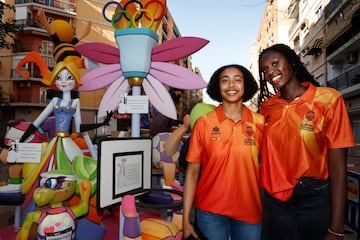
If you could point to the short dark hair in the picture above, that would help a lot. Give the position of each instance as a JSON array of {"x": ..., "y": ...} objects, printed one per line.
[
  {"x": 250, "y": 85},
  {"x": 302, "y": 74}
]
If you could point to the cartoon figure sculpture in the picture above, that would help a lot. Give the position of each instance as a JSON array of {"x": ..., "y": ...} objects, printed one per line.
[
  {"x": 131, "y": 228},
  {"x": 175, "y": 139},
  {"x": 168, "y": 163},
  {"x": 62, "y": 150},
  {"x": 142, "y": 63},
  {"x": 55, "y": 220},
  {"x": 129, "y": 219},
  {"x": 15, "y": 129},
  {"x": 62, "y": 34},
  {"x": 172, "y": 142}
]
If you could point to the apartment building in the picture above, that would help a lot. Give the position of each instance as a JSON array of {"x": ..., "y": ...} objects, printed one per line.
[
  {"x": 342, "y": 49},
  {"x": 326, "y": 36},
  {"x": 27, "y": 98}
]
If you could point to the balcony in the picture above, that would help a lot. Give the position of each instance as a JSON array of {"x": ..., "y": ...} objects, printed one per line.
[
  {"x": 58, "y": 4},
  {"x": 332, "y": 5},
  {"x": 293, "y": 26},
  {"x": 347, "y": 81},
  {"x": 293, "y": 10}
]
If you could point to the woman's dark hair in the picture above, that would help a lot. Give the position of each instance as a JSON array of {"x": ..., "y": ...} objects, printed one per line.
[
  {"x": 302, "y": 74},
  {"x": 250, "y": 85}
]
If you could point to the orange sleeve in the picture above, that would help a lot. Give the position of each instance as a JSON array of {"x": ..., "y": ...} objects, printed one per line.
[{"x": 339, "y": 131}]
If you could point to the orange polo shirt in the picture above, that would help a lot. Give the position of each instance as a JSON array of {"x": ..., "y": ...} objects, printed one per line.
[
  {"x": 297, "y": 136},
  {"x": 229, "y": 183}
]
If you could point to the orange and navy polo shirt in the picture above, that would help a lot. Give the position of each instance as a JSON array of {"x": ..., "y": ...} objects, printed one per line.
[
  {"x": 228, "y": 151},
  {"x": 297, "y": 136}
]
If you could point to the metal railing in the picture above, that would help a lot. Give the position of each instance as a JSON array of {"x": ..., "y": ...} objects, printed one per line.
[
  {"x": 293, "y": 26},
  {"x": 51, "y": 3},
  {"x": 332, "y": 5},
  {"x": 346, "y": 79}
]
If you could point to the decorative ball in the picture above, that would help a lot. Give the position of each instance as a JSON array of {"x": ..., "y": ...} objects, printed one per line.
[
  {"x": 159, "y": 154},
  {"x": 199, "y": 110}
]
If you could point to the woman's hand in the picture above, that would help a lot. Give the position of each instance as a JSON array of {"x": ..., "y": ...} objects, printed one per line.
[{"x": 188, "y": 230}]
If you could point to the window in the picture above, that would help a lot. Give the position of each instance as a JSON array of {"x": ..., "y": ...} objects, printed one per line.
[
  {"x": 43, "y": 95},
  {"x": 319, "y": 12},
  {"x": 47, "y": 47},
  {"x": 50, "y": 3},
  {"x": 356, "y": 128}
]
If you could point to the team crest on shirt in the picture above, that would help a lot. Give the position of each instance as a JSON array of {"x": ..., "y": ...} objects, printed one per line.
[
  {"x": 310, "y": 115},
  {"x": 215, "y": 131},
  {"x": 249, "y": 132},
  {"x": 308, "y": 125}
]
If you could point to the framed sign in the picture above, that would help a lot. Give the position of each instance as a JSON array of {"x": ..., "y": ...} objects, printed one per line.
[{"x": 124, "y": 167}]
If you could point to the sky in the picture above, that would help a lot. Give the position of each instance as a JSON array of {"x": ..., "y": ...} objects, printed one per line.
[{"x": 231, "y": 26}]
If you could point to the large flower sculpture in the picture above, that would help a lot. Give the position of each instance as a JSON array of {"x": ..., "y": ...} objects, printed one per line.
[{"x": 139, "y": 61}]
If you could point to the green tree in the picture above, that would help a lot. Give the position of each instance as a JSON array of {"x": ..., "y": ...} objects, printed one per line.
[{"x": 8, "y": 28}]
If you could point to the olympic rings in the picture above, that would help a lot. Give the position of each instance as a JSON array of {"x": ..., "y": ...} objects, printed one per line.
[
  {"x": 134, "y": 17},
  {"x": 131, "y": 22},
  {"x": 141, "y": 7},
  {"x": 141, "y": 12},
  {"x": 120, "y": 12},
  {"x": 107, "y": 5},
  {"x": 162, "y": 9}
]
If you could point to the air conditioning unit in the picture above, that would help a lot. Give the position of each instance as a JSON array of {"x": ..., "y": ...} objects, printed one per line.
[
  {"x": 25, "y": 85},
  {"x": 352, "y": 58}
]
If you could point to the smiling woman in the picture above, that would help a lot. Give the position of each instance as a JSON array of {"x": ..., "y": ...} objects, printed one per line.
[
  {"x": 225, "y": 142},
  {"x": 304, "y": 179}
]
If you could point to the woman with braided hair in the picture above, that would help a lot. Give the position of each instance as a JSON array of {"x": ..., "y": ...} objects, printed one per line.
[{"x": 304, "y": 151}]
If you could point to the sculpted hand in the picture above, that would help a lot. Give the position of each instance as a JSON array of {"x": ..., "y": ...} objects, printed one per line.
[
  {"x": 108, "y": 118},
  {"x": 85, "y": 189},
  {"x": 186, "y": 121},
  {"x": 41, "y": 15}
]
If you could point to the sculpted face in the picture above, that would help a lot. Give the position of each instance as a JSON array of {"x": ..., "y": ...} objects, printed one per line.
[
  {"x": 65, "y": 81},
  {"x": 54, "y": 188}
]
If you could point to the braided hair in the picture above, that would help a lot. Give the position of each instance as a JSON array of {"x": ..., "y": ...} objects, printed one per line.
[
  {"x": 302, "y": 74},
  {"x": 250, "y": 85}
]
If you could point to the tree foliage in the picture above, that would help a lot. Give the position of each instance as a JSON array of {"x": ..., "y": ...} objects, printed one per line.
[{"x": 8, "y": 28}]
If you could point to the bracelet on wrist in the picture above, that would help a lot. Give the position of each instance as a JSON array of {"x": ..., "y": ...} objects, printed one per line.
[{"x": 335, "y": 233}]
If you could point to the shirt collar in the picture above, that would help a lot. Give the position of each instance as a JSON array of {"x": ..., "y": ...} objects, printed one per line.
[
  {"x": 221, "y": 115},
  {"x": 308, "y": 95}
]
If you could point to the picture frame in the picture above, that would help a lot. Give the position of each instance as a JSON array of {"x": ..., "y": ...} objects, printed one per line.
[{"x": 124, "y": 167}]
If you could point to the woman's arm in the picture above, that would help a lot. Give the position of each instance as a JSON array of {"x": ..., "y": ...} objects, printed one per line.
[
  {"x": 338, "y": 188},
  {"x": 191, "y": 179}
]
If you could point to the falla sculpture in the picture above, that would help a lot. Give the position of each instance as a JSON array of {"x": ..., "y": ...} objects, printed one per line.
[{"x": 139, "y": 62}]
